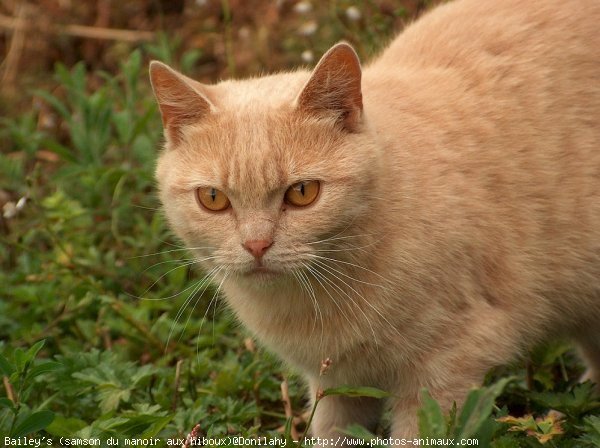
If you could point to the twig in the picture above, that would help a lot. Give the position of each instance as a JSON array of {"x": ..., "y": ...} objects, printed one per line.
[
  {"x": 11, "y": 62},
  {"x": 89, "y": 32},
  {"x": 325, "y": 366},
  {"x": 192, "y": 436},
  {"x": 104, "y": 33},
  {"x": 177, "y": 383},
  {"x": 529, "y": 372},
  {"x": 4, "y": 229},
  {"x": 10, "y": 393}
]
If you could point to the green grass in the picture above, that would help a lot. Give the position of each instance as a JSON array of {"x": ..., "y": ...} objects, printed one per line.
[
  {"x": 89, "y": 267},
  {"x": 103, "y": 333}
]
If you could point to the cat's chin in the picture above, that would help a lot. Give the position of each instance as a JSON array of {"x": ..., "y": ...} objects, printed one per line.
[{"x": 261, "y": 275}]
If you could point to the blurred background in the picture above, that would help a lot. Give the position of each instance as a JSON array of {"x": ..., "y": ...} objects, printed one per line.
[
  {"x": 42, "y": 41},
  {"x": 212, "y": 38}
]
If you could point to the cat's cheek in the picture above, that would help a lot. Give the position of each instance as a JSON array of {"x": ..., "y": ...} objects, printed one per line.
[{"x": 195, "y": 227}]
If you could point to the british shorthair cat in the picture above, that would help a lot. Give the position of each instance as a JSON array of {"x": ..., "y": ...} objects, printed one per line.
[{"x": 419, "y": 220}]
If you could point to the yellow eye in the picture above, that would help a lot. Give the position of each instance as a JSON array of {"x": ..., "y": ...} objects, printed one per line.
[
  {"x": 212, "y": 199},
  {"x": 302, "y": 193}
]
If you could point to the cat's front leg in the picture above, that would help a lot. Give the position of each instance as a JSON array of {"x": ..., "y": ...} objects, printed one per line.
[
  {"x": 404, "y": 418},
  {"x": 405, "y": 422},
  {"x": 335, "y": 413},
  {"x": 448, "y": 378}
]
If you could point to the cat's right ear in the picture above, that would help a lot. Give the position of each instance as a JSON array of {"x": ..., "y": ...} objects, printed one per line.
[
  {"x": 180, "y": 103},
  {"x": 334, "y": 87}
]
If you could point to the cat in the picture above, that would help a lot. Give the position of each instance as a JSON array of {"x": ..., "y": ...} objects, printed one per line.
[{"x": 418, "y": 221}]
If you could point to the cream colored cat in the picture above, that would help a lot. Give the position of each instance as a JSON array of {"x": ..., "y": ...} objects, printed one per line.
[{"x": 418, "y": 223}]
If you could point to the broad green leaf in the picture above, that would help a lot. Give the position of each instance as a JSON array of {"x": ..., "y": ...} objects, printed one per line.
[
  {"x": 526, "y": 423},
  {"x": 111, "y": 397},
  {"x": 543, "y": 429},
  {"x": 131, "y": 70},
  {"x": 579, "y": 400},
  {"x": 592, "y": 431},
  {"x": 361, "y": 433},
  {"x": 20, "y": 359},
  {"x": 65, "y": 427},
  {"x": 478, "y": 408},
  {"x": 287, "y": 431},
  {"x": 431, "y": 418},
  {"x": 142, "y": 372},
  {"x": 53, "y": 101},
  {"x": 123, "y": 123},
  {"x": 44, "y": 367},
  {"x": 61, "y": 150},
  {"x": 6, "y": 368},
  {"x": 547, "y": 354},
  {"x": 144, "y": 426},
  {"x": 352, "y": 391},
  {"x": 33, "y": 423},
  {"x": 7, "y": 403}
]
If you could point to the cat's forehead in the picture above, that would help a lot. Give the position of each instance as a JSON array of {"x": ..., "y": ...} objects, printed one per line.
[
  {"x": 251, "y": 161},
  {"x": 255, "y": 142},
  {"x": 270, "y": 91},
  {"x": 254, "y": 153},
  {"x": 242, "y": 153}
]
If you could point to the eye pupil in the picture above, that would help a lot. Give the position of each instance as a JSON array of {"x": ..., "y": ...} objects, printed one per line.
[
  {"x": 302, "y": 193},
  {"x": 212, "y": 199}
]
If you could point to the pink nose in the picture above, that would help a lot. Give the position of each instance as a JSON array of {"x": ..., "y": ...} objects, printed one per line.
[{"x": 257, "y": 247}]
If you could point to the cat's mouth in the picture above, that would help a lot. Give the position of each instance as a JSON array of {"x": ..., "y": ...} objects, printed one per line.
[{"x": 261, "y": 272}]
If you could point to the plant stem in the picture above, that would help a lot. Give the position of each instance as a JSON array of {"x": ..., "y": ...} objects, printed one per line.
[{"x": 309, "y": 421}]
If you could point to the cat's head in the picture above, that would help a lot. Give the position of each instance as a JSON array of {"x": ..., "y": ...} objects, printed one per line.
[{"x": 256, "y": 174}]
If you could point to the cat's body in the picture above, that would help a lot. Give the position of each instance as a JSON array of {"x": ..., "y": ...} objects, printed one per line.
[{"x": 459, "y": 210}]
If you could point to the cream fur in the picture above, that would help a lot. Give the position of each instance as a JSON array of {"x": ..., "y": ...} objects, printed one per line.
[{"x": 463, "y": 212}]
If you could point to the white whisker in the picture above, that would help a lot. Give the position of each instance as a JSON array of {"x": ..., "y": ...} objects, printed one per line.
[
  {"x": 202, "y": 284},
  {"x": 213, "y": 299},
  {"x": 177, "y": 267},
  {"x": 206, "y": 282},
  {"x": 171, "y": 250},
  {"x": 332, "y": 240},
  {"x": 332, "y": 283},
  {"x": 146, "y": 208},
  {"x": 306, "y": 286},
  {"x": 182, "y": 310},
  {"x": 311, "y": 291},
  {"x": 169, "y": 261},
  {"x": 349, "y": 264},
  {"x": 168, "y": 297},
  {"x": 215, "y": 307},
  {"x": 318, "y": 277},
  {"x": 317, "y": 261},
  {"x": 368, "y": 303}
]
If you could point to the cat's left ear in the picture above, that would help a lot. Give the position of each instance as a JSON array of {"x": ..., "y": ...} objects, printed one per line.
[
  {"x": 179, "y": 98},
  {"x": 335, "y": 87}
]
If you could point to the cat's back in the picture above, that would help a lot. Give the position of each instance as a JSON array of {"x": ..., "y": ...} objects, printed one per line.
[
  {"x": 533, "y": 54},
  {"x": 463, "y": 33},
  {"x": 494, "y": 82},
  {"x": 489, "y": 111}
]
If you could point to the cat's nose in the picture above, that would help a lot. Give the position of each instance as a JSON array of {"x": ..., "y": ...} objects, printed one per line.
[{"x": 257, "y": 247}]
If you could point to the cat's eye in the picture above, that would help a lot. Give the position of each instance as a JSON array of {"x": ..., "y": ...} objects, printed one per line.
[
  {"x": 212, "y": 199},
  {"x": 302, "y": 193}
]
